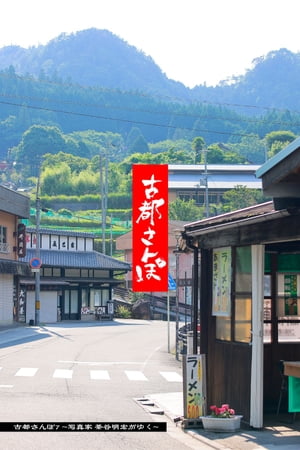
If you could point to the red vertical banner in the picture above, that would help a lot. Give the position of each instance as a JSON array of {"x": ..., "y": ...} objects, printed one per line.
[{"x": 150, "y": 227}]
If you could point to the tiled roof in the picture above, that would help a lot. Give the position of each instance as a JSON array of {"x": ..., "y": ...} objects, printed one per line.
[
  {"x": 61, "y": 232},
  {"x": 86, "y": 260}
]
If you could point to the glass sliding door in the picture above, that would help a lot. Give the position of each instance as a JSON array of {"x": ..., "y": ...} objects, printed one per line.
[{"x": 71, "y": 305}]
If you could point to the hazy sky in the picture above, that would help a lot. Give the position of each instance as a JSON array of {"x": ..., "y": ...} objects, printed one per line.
[{"x": 192, "y": 41}]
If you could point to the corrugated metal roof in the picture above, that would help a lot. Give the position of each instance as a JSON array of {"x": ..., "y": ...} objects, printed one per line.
[
  {"x": 192, "y": 185},
  {"x": 214, "y": 167},
  {"x": 86, "y": 260},
  {"x": 223, "y": 179}
]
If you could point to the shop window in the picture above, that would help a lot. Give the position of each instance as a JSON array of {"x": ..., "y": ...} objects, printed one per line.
[
  {"x": 47, "y": 272},
  {"x": 85, "y": 298},
  {"x": 101, "y": 273},
  {"x": 56, "y": 272},
  {"x": 72, "y": 272},
  {"x": 84, "y": 273},
  {"x": 288, "y": 307},
  {"x": 3, "y": 239},
  {"x": 232, "y": 322},
  {"x": 243, "y": 295},
  {"x": 98, "y": 298},
  {"x": 223, "y": 328}
]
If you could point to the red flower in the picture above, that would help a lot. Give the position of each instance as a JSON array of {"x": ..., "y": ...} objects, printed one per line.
[{"x": 223, "y": 412}]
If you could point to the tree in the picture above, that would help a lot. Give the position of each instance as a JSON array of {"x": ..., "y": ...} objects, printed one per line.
[
  {"x": 140, "y": 145},
  {"x": 277, "y": 140},
  {"x": 185, "y": 210},
  {"x": 241, "y": 197},
  {"x": 198, "y": 145},
  {"x": 37, "y": 141},
  {"x": 56, "y": 180},
  {"x": 251, "y": 148}
]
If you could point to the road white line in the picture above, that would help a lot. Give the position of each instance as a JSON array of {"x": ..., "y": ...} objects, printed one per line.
[
  {"x": 171, "y": 376},
  {"x": 6, "y": 385},
  {"x": 63, "y": 373},
  {"x": 101, "y": 363},
  {"x": 26, "y": 372},
  {"x": 99, "y": 375},
  {"x": 135, "y": 375}
]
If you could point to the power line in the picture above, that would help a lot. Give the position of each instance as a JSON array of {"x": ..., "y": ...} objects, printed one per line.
[
  {"x": 124, "y": 120},
  {"x": 143, "y": 94},
  {"x": 200, "y": 116}
]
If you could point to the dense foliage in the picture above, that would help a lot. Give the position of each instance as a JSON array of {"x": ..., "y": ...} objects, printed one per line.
[
  {"x": 85, "y": 85},
  {"x": 88, "y": 103}
]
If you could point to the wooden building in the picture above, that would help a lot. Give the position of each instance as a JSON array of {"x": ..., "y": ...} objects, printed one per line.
[{"x": 249, "y": 292}]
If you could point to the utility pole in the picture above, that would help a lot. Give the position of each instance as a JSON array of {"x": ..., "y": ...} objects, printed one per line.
[
  {"x": 37, "y": 252},
  {"x": 206, "y": 182},
  {"x": 104, "y": 189}
]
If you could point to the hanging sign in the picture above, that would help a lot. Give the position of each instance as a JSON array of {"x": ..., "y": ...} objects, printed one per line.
[
  {"x": 150, "y": 227},
  {"x": 222, "y": 282}
]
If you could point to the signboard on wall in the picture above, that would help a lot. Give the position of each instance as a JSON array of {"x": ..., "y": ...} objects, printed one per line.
[
  {"x": 221, "y": 305},
  {"x": 150, "y": 227}
]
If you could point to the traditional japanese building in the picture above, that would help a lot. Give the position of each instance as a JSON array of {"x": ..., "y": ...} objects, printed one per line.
[{"x": 76, "y": 282}]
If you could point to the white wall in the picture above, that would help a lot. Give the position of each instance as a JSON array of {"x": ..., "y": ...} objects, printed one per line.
[{"x": 48, "y": 305}]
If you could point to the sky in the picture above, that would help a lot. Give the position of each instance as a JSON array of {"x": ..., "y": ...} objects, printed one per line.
[{"x": 192, "y": 41}]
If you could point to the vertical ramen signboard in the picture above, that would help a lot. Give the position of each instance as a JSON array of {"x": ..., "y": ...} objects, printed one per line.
[{"x": 150, "y": 227}]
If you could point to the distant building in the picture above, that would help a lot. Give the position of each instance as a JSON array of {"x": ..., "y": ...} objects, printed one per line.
[{"x": 188, "y": 182}]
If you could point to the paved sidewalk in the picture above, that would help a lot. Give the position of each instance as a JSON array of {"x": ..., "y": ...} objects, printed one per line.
[
  {"x": 18, "y": 334},
  {"x": 280, "y": 435}
]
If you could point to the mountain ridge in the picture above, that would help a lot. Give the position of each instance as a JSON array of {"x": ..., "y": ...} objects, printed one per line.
[{"x": 99, "y": 58}]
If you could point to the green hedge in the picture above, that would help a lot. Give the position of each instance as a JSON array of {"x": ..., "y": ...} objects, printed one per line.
[{"x": 114, "y": 200}]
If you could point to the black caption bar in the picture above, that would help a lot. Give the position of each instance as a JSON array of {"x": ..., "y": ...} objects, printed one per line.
[{"x": 83, "y": 426}]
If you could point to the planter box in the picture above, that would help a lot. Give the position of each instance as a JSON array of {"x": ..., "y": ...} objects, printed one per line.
[{"x": 221, "y": 424}]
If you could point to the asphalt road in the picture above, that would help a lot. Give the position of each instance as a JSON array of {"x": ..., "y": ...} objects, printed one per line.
[{"x": 89, "y": 373}]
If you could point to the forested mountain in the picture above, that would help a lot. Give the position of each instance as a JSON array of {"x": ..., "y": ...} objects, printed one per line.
[
  {"x": 101, "y": 59},
  {"x": 93, "y": 80},
  {"x": 92, "y": 58}
]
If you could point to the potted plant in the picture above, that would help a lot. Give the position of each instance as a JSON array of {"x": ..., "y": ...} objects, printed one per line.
[{"x": 222, "y": 419}]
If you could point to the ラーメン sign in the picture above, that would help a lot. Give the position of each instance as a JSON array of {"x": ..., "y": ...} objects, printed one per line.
[{"x": 150, "y": 227}]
